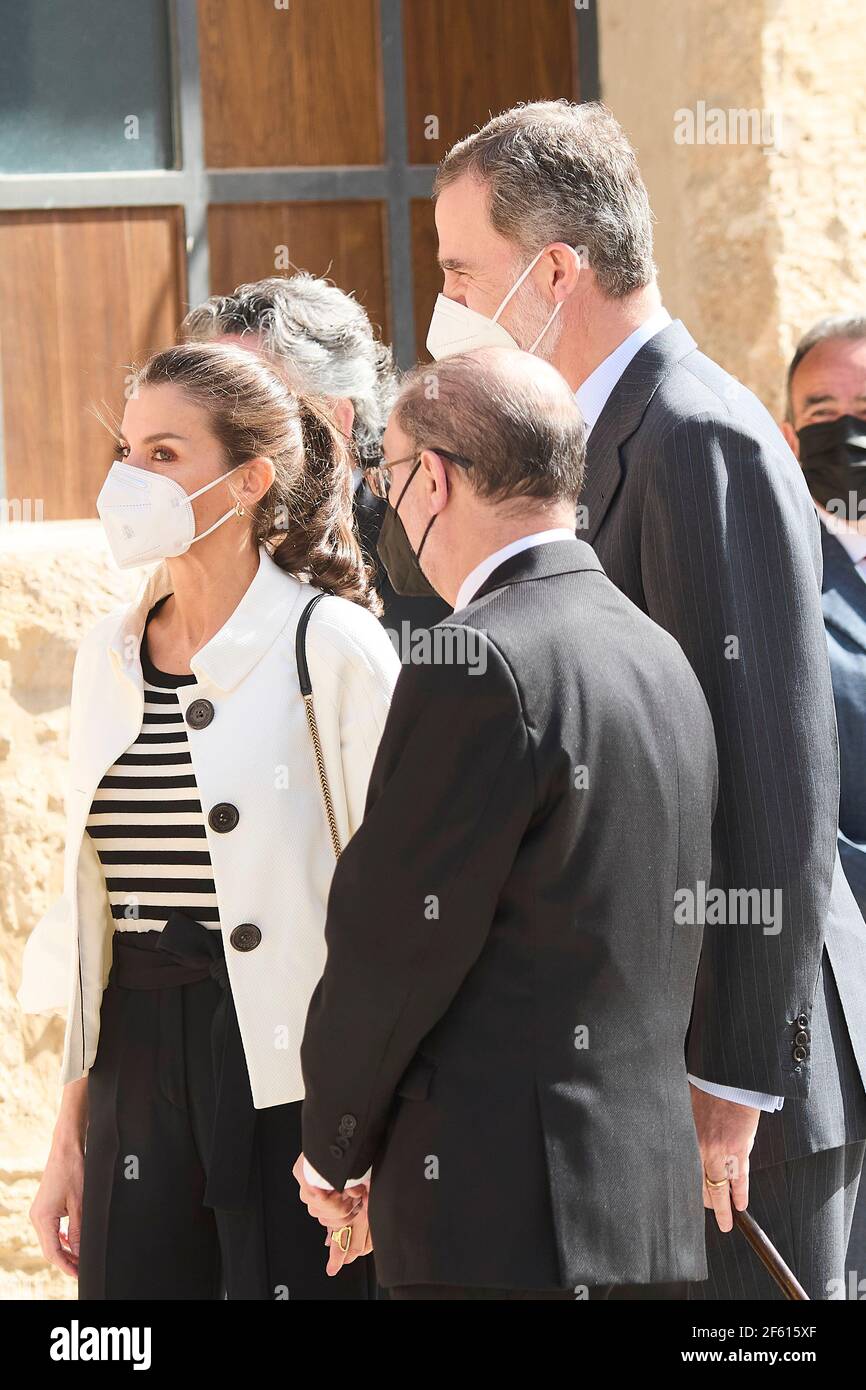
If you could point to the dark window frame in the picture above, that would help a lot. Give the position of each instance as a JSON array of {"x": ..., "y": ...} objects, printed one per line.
[{"x": 194, "y": 188}]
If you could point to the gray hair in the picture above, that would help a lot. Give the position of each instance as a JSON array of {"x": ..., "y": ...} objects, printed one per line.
[
  {"x": 512, "y": 416},
  {"x": 322, "y": 334},
  {"x": 851, "y": 326},
  {"x": 560, "y": 171}
]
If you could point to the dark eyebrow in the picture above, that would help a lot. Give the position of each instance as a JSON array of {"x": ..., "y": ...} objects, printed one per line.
[
  {"x": 152, "y": 438},
  {"x": 451, "y": 263},
  {"x": 818, "y": 400}
]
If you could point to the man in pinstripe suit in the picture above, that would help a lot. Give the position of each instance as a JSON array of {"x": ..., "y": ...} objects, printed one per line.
[{"x": 698, "y": 511}]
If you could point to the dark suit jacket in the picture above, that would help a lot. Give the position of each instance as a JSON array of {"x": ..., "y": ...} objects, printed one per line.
[
  {"x": 844, "y": 604},
  {"x": 699, "y": 512},
  {"x": 500, "y": 1025}
]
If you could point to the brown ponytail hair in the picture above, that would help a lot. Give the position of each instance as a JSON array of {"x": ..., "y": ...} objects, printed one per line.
[{"x": 306, "y": 517}]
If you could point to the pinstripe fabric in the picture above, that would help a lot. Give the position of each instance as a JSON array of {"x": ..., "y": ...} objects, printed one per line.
[
  {"x": 835, "y": 1113},
  {"x": 855, "y": 1261},
  {"x": 699, "y": 512},
  {"x": 808, "y": 1206},
  {"x": 844, "y": 603}
]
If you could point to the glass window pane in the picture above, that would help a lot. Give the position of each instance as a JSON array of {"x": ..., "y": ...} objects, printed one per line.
[{"x": 85, "y": 86}]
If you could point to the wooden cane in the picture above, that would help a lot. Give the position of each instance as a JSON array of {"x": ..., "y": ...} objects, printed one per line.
[{"x": 769, "y": 1256}]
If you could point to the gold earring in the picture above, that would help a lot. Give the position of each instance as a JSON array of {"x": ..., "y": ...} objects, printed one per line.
[{"x": 239, "y": 510}]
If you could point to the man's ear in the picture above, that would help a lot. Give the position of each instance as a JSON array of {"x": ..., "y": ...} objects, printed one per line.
[
  {"x": 790, "y": 437},
  {"x": 567, "y": 268},
  {"x": 434, "y": 479}
]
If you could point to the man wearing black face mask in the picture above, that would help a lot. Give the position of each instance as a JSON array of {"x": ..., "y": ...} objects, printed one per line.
[
  {"x": 507, "y": 989},
  {"x": 826, "y": 428}
]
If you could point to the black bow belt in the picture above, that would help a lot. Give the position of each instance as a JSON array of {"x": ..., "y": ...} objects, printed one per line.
[{"x": 186, "y": 953}]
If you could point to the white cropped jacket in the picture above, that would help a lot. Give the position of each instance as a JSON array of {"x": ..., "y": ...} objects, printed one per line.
[{"x": 274, "y": 867}]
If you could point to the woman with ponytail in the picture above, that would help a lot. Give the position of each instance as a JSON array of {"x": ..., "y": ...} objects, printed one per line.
[{"x": 222, "y": 736}]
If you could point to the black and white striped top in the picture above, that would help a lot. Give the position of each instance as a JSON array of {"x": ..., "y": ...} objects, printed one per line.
[{"x": 146, "y": 819}]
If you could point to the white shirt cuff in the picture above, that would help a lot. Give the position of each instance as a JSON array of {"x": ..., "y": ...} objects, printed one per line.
[
  {"x": 756, "y": 1099},
  {"x": 314, "y": 1179}
]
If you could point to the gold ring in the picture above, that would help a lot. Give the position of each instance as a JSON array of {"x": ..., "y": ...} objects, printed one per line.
[
  {"x": 720, "y": 1182},
  {"x": 343, "y": 1234}
]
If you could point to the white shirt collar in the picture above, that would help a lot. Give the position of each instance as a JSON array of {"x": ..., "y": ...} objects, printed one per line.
[
  {"x": 850, "y": 539},
  {"x": 473, "y": 581},
  {"x": 593, "y": 394}
]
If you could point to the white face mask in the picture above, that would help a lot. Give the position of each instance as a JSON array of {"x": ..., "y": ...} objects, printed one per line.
[
  {"x": 457, "y": 328},
  {"x": 148, "y": 516}
]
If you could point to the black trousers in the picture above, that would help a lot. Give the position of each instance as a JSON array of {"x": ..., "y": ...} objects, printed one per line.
[
  {"x": 169, "y": 1110},
  {"x": 806, "y": 1207}
]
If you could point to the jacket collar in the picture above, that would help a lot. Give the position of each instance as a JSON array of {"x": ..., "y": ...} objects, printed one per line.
[
  {"x": 242, "y": 640},
  {"x": 844, "y": 596},
  {"x": 622, "y": 413},
  {"x": 541, "y": 562}
]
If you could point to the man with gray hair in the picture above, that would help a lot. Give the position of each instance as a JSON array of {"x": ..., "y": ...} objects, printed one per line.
[
  {"x": 324, "y": 340},
  {"x": 699, "y": 513},
  {"x": 499, "y": 1031}
]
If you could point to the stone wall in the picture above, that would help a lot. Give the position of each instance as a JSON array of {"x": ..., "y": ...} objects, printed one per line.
[
  {"x": 56, "y": 580},
  {"x": 754, "y": 241}
]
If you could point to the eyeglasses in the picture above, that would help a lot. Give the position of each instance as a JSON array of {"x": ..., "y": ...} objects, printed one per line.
[{"x": 377, "y": 470}]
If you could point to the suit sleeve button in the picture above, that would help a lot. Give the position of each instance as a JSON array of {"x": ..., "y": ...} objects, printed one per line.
[
  {"x": 801, "y": 1038},
  {"x": 802, "y": 1021},
  {"x": 800, "y": 1054},
  {"x": 335, "y": 1152}
]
